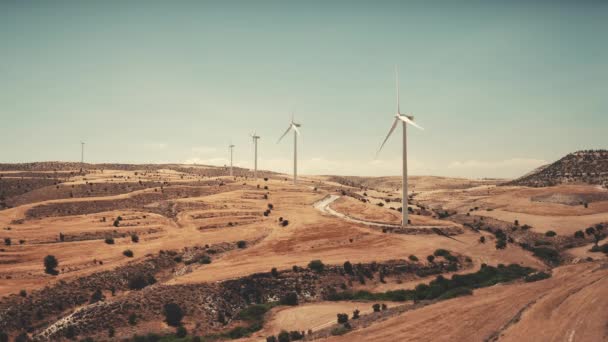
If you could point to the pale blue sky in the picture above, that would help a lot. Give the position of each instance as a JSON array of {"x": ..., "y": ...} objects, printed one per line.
[{"x": 500, "y": 86}]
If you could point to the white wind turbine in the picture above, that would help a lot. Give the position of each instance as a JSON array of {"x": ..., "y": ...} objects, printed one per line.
[
  {"x": 231, "y": 148},
  {"x": 81, "y": 156},
  {"x": 255, "y": 138},
  {"x": 405, "y": 119},
  {"x": 293, "y": 125}
]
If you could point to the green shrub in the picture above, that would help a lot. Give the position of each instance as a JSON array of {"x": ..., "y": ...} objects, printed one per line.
[
  {"x": 316, "y": 265},
  {"x": 290, "y": 299},
  {"x": 50, "y": 264},
  {"x": 173, "y": 314}
]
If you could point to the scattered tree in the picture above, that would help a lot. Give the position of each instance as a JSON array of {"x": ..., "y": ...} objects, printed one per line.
[
  {"x": 316, "y": 265},
  {"x": 348, "y": 267},
  {"x": 173, "y": 314},
  {"x": 50, "y": 264}
]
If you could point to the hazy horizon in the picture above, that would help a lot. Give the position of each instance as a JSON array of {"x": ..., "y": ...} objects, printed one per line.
[{"x": 500, "y": 87}]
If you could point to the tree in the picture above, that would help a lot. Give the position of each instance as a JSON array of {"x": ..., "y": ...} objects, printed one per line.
[
  {"x": 290, "y": 298},
  {"x": 342, "y": 318},
  {"x": 413, "y": 258},
  {"x": 348, "y": 267},
  {"x": 579, "y": 234},
  {"x": 133, "y": 319},
  {"x": 550, "y": 233},
  {"x": 173, "y": 314},
  {"x": 128, "y": 253},
  {"x": 241, "y": 244},
  {"x": 96, "y": 296},
  {"x": 50, "y": 264},
  {"x": 134, "y": 238},
  {"x": 430, "y": 258},
  {"x": 109, "y": 240},
  {"x": 482, "y": 239},
  {"x": 274, "y": 272},
  {"x": 284, "y": 336},
  {"x": 7, "y": 241},
  {"x": 316, "y": 265},
  {"x": 356, "y": 314},
  {"x": 376, "y": 307}
]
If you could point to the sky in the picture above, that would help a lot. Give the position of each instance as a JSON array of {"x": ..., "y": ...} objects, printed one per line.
[{"x": 501, "y": 87}]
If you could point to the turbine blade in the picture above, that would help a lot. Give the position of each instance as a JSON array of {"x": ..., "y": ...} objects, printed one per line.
[
  {"x": 407, "y": 120},
  {"x": 388, "y": 135},
  {"x": 284, "y": 134}
]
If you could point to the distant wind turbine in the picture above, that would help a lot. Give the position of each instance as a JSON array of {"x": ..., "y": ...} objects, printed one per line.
[
  {"x": 81, "y": 156},
  {"x": 405, "y": 119},
  {"x": 293, "y": 125},
  {"x": 255, "y": 138},
  {"x": 231, "y": 148}
]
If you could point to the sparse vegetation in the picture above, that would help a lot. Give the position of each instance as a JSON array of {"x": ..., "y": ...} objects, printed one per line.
[
  {"x": 316, "y": 265},
  {"x": 50, "y": 264}
]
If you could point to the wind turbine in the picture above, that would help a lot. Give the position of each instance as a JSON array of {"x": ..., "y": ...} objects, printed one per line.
[
  {"x": 81, "y": 156},
  {"x": 255, "y": 138},
  {"x": 231, "y": 148},
  {"x": 404, "y": 119},
  {"x": 293, "y": 125}
]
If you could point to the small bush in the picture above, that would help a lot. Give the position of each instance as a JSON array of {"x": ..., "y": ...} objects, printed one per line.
[
  {"x": 173, "y": 314},
  {"x": 283, "y": 336},
  {"x": 316, "y": 265},
  {"x": 241, "y": 244},
  {"x": 482, "y": 239},
  {"x": 376, "y": 307},
  {"x": 139, "y": 281},
  {"x": 284, "y": 223},
  {"x": 441, "y": 252},
  {"x": 132, "y": 319},
  {"x": 109, "y": 240},
  {"x": 356, "y": 314},
  {"x": 181, "y": 332},
  {"x": 205, "y": 259},
  {"x": 274, "y": 272},
  {"x": 413, "y": 258},
  {"x": 134, "y": 238},
  {"x": 342, "y": 318},
  {"x": 128, "y": 253},
  {"x": 430, "y": 258},
  {"x": 550, "y": 233},
  {"x": 579, "y": 234},
  {"x": 290, "y": 299},
  {"x": 50, "y": 264},
  {"x": 348, "y": 267}
]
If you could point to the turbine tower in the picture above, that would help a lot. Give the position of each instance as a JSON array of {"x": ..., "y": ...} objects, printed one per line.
[
  {"x": 81, "y": 156},
  {"x": 255, "y": 138},
  {"x": 293, "y": 125},
  {"x": 231, "y": 148},
  {"x": 405, "y": 119}
]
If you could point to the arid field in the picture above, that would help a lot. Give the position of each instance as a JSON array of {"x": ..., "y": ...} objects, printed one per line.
[{"x": 101, "y": 253}]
